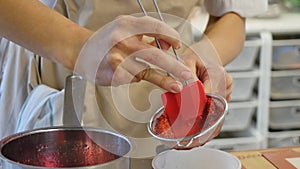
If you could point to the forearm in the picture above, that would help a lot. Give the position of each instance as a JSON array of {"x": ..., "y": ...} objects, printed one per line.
[
  {"x": 42, "y": 30},
  {"x": 227, "y": 34}
]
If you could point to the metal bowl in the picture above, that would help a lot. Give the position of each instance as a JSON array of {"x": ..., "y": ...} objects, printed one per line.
[
  {"x": 65, "y": 147},
  {"x": 211, "y": 128}
]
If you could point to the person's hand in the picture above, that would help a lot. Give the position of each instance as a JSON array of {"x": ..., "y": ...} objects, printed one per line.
[
  {"x": 117, "y": 54},
  {"x": 204, "y": 62}
]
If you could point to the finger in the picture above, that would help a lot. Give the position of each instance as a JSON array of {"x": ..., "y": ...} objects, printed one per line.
[
  {"x": 163, "y": 44},
  {"x": 228, "y": 97},
  {"x": 131, "y": 70},
  {"x": 136, "y": 70},
  {"x": 191, "y": 64},
  {"x": 199, "y": 71},
  {"x": 121, "y": 76},
  {"x": 229, "y": 81},
  {"x": 133, "y": 44},
  {"x": 228, "y": 92},
  {"x": 116, "y": 57},
  {"x": 130, "y": 26},
  {"x": 159, "y": 30},
  {"x": 134, "y": 67},
  {"x": 207, "y": 86},
  {"x": 160, "y": 79},
  {"x": 164, "y": 61},
  {"x": 142, "y": 71}
]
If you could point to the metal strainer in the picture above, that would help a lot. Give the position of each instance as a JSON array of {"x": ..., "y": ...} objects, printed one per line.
[{"x": 209, "y": 125}]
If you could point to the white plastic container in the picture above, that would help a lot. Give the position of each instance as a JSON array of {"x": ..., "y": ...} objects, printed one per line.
[
  {"x": 284, "y": 114},
  {"x": 196, "y": 158},
  {"x": 284, "y": 141},
  {"x": 286, "y": 57},
  {"x": 236, "y": 141},
  {"x": 236, "y": 144},
  {"x": 285, "y": 84},
  {"x": 246, "y": 59},
  {"x": 239, "y": 116},
  {"x": 243, "y": 85}
]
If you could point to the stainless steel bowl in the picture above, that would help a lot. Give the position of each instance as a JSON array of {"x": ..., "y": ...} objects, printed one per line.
[
  {"x": 65, "y": 147},
  {"x": 212, "y": 126}
]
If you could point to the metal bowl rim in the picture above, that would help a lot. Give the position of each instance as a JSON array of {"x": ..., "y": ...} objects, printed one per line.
[
  {"x": 194, "y": 136},
  {"x": 16, "y": 136}
]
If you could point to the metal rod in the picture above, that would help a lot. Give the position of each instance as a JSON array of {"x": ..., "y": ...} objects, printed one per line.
[
  {"x": 73, "y": 100},
  {"x": 163, "y": 20},
  {"x": 146, "y": 14},
  {"x": 158, "y": 10}
]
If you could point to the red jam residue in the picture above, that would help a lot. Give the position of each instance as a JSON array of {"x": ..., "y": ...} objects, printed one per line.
[{"x": 213, "y": 110}]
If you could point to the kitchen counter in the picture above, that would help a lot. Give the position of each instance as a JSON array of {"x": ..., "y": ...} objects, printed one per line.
[{"x": 274, "y": 158}]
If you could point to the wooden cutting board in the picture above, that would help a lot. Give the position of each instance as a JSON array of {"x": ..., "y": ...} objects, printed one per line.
[{"x": 267, "y": 158}]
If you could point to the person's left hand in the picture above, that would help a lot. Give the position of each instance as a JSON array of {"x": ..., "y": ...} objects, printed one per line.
[
  {"x": 206, "y": 66},
  {"x": 204, "y": 62}
]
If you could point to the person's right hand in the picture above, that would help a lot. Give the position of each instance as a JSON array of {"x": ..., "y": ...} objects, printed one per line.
[{"x": 118, "y": 54}]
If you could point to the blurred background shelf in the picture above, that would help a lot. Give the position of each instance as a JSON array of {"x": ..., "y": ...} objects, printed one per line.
[
  {"x": 265, "y": 107},
  {"x": 238, "y": 140},
  {"x": 285, "y": 23}
]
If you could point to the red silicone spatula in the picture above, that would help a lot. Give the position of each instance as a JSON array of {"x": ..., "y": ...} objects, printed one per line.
[{"x": 185, "y": 108}]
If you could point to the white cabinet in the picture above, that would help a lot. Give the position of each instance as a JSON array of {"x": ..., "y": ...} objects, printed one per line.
[
  {"x": 265, "y": 109},
  {"x": 284, "y": 108},
  {"x": 245, "y": 125}
]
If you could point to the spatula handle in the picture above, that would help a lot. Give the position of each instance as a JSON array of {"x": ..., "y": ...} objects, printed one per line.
[
  {"x": 163, "y": 20},
  {"x": 73, "y": 100}
]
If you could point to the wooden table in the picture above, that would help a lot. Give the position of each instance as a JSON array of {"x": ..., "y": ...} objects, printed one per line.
[{"x": 268, "y": 158}]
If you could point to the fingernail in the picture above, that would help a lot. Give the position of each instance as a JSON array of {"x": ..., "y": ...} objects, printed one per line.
[
  {"x": 186, "y": 75},
  {"x": 176, "y": 87}
]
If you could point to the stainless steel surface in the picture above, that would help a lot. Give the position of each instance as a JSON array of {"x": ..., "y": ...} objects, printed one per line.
[
  {"x": 163, "y": 20},
  {"x": 73, "y": 100},
  {"x": 212, "y": 125},
  {"x": 146, "y": 14},
  {"x": 68, "y": 147}
]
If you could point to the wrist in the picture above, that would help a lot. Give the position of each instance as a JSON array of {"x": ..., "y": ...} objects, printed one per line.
[{"x": 75, "y": 44}]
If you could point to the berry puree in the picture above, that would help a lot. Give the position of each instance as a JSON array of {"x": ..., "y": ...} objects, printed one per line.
[{"x": 213, "y": 110}]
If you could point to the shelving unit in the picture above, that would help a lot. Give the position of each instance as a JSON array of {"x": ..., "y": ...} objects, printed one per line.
[
  {"x": 262, "y": 34},
  {"x": 284, "y": 128},
  {"x": 250, "y": 79}
]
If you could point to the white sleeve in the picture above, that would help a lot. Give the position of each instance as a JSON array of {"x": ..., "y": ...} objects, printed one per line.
[
  {"x": 49, "y": 3},
  {"x": 245, "y": 8}
]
